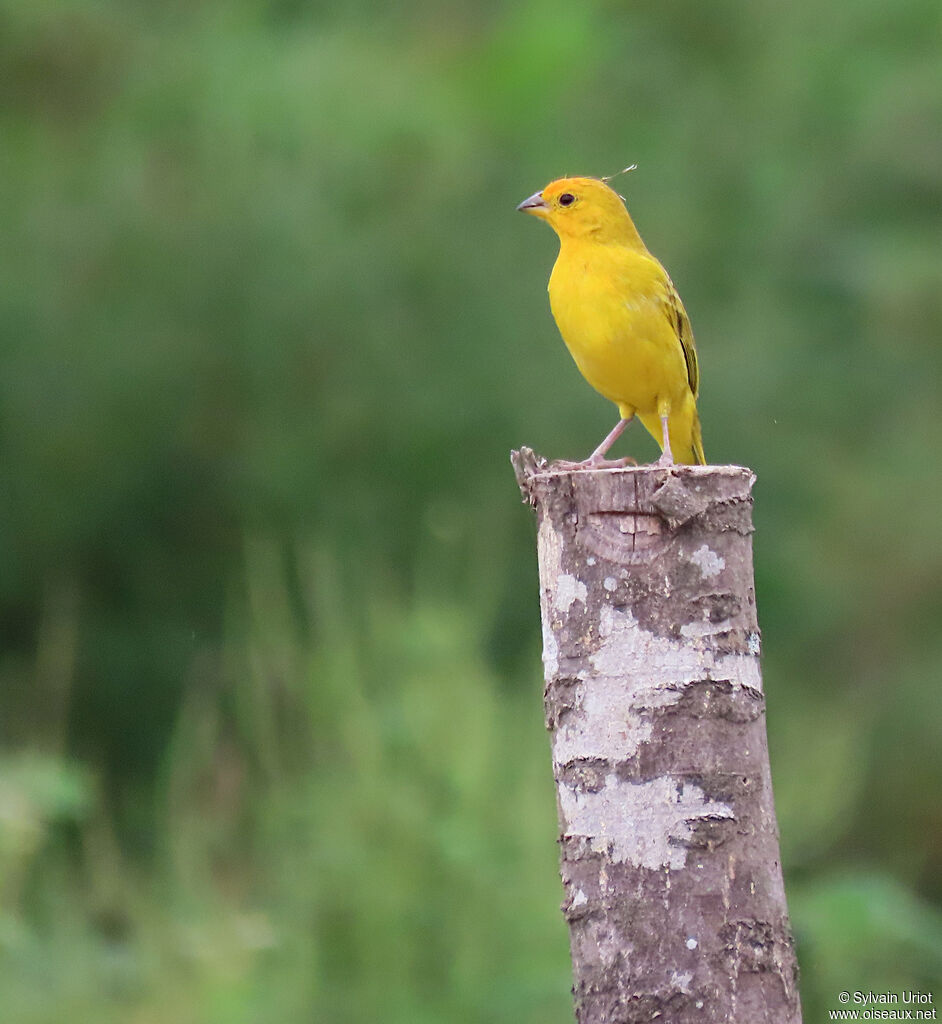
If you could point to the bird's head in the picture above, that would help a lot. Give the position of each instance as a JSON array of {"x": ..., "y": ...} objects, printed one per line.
[{"x": 582, "y": 207}]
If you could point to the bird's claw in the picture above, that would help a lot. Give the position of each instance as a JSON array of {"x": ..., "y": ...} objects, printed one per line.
[{"x": 594, "y": 463}]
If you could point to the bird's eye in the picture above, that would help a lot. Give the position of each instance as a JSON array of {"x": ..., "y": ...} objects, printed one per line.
[{"x": 567, "y": 199}]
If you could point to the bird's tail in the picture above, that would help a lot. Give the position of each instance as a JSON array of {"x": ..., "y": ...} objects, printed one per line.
[{"x": 696, "y": 442}]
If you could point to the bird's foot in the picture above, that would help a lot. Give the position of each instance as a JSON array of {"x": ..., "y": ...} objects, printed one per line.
[
  {"x": 594, "y": 462},
  {"x": 666, "y": 459}
]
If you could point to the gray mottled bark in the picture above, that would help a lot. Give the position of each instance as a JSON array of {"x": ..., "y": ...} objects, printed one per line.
[{"x": 670, "y": 857}]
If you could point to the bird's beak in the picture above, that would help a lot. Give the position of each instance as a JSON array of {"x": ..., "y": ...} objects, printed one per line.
[{"x": 535, "y": 204}]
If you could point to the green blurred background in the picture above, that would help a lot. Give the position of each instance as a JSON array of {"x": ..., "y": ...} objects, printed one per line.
[{"x": 270, "y": 689}]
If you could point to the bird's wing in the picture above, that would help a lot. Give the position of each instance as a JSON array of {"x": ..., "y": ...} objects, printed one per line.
[{"x": 679, "y": 320}]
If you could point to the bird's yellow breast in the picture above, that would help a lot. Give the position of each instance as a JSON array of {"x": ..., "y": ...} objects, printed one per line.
[{"x": 608, "y": 302}]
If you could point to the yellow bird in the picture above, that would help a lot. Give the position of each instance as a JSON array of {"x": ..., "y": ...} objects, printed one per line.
[{"x": 621, "y": 318}]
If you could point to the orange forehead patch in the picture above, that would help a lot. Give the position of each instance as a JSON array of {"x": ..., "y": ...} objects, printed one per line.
[{"x": 560, "y": 185}]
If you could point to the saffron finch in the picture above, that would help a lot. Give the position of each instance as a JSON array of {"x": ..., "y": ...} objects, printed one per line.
[{"x": 621, "y": 318}]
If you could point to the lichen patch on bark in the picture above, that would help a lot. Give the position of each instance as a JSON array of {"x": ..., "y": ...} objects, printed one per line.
[
  {"x": 628, "y": 652},
  {"x": 647, "y": 824},
  {"x": 568, "y": 590},
  {"x": 709, "y": 562}
]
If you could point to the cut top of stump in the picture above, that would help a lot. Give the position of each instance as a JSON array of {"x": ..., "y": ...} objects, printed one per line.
[{"x": 658, "y": 497}]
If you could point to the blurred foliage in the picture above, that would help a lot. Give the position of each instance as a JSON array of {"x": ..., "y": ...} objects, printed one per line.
[{"x": 269, "y": 687}]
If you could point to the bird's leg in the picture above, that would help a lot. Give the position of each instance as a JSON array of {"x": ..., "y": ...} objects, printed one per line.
[
  {"x": 667, "y": 457},
  {"x": 610, "y": 438},
  {"x": 597, "y": 459}
]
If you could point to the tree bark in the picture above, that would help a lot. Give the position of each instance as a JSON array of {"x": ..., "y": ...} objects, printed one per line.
[{"x": 653, "y": 699}]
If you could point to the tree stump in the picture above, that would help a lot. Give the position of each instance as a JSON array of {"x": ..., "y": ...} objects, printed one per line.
[{"x": 654, "y": 703}]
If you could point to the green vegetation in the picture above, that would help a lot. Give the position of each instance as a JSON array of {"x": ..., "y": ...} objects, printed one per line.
[{"x": 270, "y": 683}]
